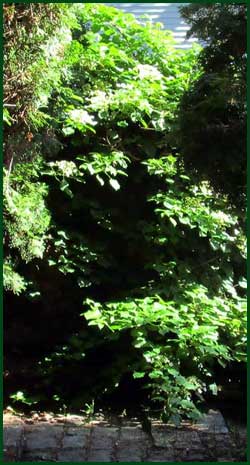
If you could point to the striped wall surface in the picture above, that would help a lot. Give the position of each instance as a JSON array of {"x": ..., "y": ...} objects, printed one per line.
[{"x": 166, "y": 13}]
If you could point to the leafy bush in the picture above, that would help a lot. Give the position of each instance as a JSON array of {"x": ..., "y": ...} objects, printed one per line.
[
  {"x": 156, "y": 257},
  {"x": 194, "y": 317}
]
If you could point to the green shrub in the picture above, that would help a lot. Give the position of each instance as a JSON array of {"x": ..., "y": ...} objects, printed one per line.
[{"x": 156, "y": 256}]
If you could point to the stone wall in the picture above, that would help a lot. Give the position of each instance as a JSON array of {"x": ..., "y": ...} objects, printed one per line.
[{"x": 69, "y": 439}]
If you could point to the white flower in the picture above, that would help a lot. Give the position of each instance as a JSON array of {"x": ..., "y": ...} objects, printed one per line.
[
  {"x": 148, "y": 71},
  {"x": 68, "y": 168},
  {"x": 98, "y": 100},
  {"x": 82, "y": 116}
]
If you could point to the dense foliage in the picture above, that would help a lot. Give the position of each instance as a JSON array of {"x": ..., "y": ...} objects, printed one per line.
[
  {"x": 120, "y": 265},
  {"x": 215, "y": 105},
  {"x": 35, "y": 37}
]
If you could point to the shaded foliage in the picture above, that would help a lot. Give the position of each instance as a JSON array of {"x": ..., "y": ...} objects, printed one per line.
[{"x": 215, "y": 106}]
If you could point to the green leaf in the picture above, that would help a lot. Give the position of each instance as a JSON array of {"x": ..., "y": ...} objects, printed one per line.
[
  {"x": 138, "y": 374},
  {"x": 243, "y": 283},
  {"x": 115, "y": 184},
  {"x": 173, "y": 221},
  {"x": 100, "y": 180},
  {"x": 213, "y": 388},
  {"x": 92, "y": 314},
  {"x": 68, "y": 131}
]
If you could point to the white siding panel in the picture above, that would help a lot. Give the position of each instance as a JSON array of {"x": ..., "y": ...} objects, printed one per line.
[{"x": 166, "y": 13}]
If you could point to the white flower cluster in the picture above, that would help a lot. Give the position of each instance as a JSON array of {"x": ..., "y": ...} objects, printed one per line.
[
  {"x": 148, "y": 71},
  {"x": 82, "y": 116},
  {"x": 68, "y": 168}
]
